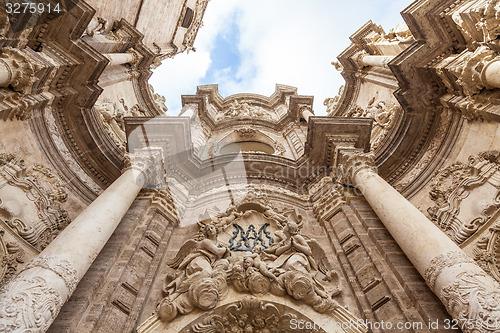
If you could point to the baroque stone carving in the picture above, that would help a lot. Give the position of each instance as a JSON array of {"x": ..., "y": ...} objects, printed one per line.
[
  {"x": 384, "y": 116},
  {"x": 148, "y": 161},
  {"x": 287, "y": 263},
  {"x": 22, "y": 69},
  {"x": 469, "y": 69},
  {"x": 466, "y": 196},
  {"x": 98, "y": 25},
  {"x": 199, "y": 10},
  {"x": 112, "y": 119},
  {"x": 332, "y": 103},
  {"x": 11, "y": 256},
  {"x": 61, "y": 267},
  {"x": 352, "y": 163},
  {"x": 475, "y": 301},
  {"x": 442, "y": 261},
  {"x": 159, "y": 100},
  {"x": 249, "y": 315},
  {"x": 243, "y": 109},
  {"x": 28, "y": 305},
  {"x": 42, "y": 191},
  {"x": 487, "y": 252}
]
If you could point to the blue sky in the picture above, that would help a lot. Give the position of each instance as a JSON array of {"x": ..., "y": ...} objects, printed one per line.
[{"x": 249, "y": 46}]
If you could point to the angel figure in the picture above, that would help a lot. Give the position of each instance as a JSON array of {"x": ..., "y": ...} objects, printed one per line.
[
  {"x": 254, "y": 260},
  {"x": 196, "y": 259}
]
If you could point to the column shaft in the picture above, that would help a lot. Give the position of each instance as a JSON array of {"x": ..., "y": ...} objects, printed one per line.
[
  {"x": 119, "y": 58},
  {"x": 376, "y": 60},
  {"x": 5, "y": 74},
  {"x": 32, "y": 300},
  {"x": 491, "y": 74},
  {"x": 469, "y": 294}
]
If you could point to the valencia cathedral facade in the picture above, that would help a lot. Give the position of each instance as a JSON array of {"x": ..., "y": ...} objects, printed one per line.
[{"x": 247, "y": 213}]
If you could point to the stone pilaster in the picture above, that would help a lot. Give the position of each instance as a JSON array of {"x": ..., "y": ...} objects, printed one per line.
[
  {"x": 32, "y": 300},
  {"x": 469, "y": 294}
]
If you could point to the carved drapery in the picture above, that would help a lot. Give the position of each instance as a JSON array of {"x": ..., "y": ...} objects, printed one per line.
[{"x": 466, "y": 196}]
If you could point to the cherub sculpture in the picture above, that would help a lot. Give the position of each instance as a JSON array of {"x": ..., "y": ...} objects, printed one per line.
[{"x": 202, "y": 272}]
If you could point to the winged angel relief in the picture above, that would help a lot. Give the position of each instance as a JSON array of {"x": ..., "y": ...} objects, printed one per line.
[{"x": 287, "y": 264}]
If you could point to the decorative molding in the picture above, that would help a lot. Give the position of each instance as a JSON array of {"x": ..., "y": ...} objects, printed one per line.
[
  {"x": 443, "y": 261},
  {"x": 11, "y": 256},
  {"x": 41, "y": 187},
  {"x": 63, "y": 268},
  {"x": 455, "y": 190},
  {"x": 474, "y": 301},
  {"x": 28, "y": 304}
]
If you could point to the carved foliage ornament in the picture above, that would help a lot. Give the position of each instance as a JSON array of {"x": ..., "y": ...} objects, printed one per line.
[
  {"x": 250, "y": 315},
  {"x": 43, "y": 189},
  {"x": 11, "y": 256},
  {"x": 28, "y": 305},
  {"x": 487, "y": 252},
  {"x": 149, "y": 162},
  {"x": 466, "y": 196},
  {"x": 292, "y": 265},
  {"x": 475, "y": 301}
]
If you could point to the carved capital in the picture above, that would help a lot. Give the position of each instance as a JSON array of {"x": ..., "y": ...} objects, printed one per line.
[
  {"x": 353, "y": 162},
  {"x": 21, "y": 69},
  {"x": 61, "y": 267},
  {"x": 149, "y": 162}
]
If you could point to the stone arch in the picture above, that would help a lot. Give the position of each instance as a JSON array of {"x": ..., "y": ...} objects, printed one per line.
[
  {"x": 256, "y": 315},
  {"x": 248, "y": 138}
]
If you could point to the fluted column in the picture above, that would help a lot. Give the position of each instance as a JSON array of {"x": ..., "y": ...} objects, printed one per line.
[
  {"x": 469, "y": 294},
  {"x": 32, "y": 300}
]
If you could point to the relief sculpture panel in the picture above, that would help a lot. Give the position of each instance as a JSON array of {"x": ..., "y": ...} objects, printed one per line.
[{"x": 252, "y": 252}]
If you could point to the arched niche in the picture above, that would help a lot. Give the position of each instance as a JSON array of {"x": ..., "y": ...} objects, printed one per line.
[
  {"x": 249, "y": 140},
  {"x": 265, "y": 314}
]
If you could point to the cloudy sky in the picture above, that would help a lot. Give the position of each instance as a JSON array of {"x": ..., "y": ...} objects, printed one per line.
[{"x": 250, "y": 45}]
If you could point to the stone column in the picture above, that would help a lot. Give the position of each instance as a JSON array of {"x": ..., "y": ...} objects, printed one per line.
[
  {"x": 17, "y": 69},
  {"x": 305, "y": 111},
  {"x": 130, "y": 57},
  {"x": 32, "y": 300},
  {"x": 364, "y": 59},
  {"x": 490, "y": 75},
  {"x": 469, "y": 294}
]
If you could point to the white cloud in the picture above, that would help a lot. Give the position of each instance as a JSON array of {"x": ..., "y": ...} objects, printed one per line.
[{"x": 281, "y": 41}]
